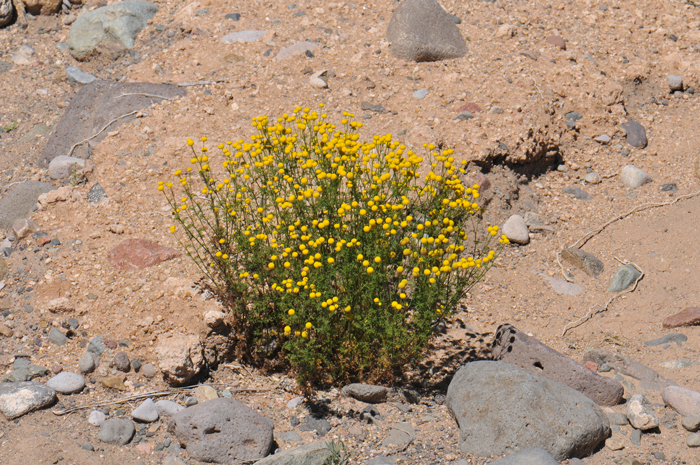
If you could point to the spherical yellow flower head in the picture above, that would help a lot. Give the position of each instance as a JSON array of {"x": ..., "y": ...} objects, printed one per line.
[
  {"x": 190, "y": 142},
  {"x": 291, "y": 312}
]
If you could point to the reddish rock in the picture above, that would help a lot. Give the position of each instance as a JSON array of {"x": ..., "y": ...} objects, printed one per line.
[
  {"x": 593, "y": 366},
  {"x": 557, "y": 41},
  {"x": 43, "y": 240},
  {"x": 145, "y": 448},
  {"x": 111, "y": 344},
  {"x": 480, "y": 179},
  {"x": 688, "y": 317},
  {"x": 471, "y": 107},
  {"x": 133, "y": 254}
]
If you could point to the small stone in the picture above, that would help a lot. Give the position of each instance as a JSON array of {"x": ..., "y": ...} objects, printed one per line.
[
  {"x": 320, "y": 425},
  {"x": 614, "y": 444},
  {"x": 693, "y": 440},
  {"x": 463, "y": 116},
  {"x": 59, "y": 305},
  {"x": 242, "y": 36},
  {"x": 571, "y": 118},
  {"x": 146, "y": 412},
  {"x": 137, "y": 365},
  {"x": 688, "y": 317},
  {"x": 636, "y": 134},
  {"x": 691, "y": 424},
  {"x": 87, "y": 446},
  {"x": 592, "y": 178},
  {"x": 675, "y": 82},
  {"x": 114, "y": 382},
  {"x": 624, "y": 278},
  {"x": 603, "y": 139},
  {"x": 122, "y": 362},
  {"x": 117, "y": 431},
  {"x": 298, "y": 48},
  {"x": 619, "y": 419},
  {"x": 557, "y": 41},
  {"x": 23, "y": 228},
  {"x": 24, "y": 56},
  {"x": 96, "y": 193},
  {"x": 367, "y": 106},
  {"x": 640, "y": 414},
  {"x": 233, "y": 16},
  {"x": 593, "y": 366},
  {"x": 505, "y": 31},
  {"x": 636, "y": 437},
  {"x": 63, "y": 167},
  {"x": 471, "y": 107},
  {"x": 677, "y": 364},
  {"x": 366, "y": 392},
  {"x": 214, "y": 318},
  {"x": 96, "y": 418},
  {"x": 76, "y": 75},
  {"x": 205, "y": 393},
  {"x": 190, "y": 401},
  {"x": 148, "y": 370},
  {"x": 658, "y": 455},
  {"x": 678, "y": 338},
  {"x": 420, "y": 94},
  {"x": 95, "y": 346},
  {"x": 87, "y": 363},
  {"x": 584, "y": 261},
  {"x": 67, "y": 382},
  {"x": 632, "y": 177},
  {"x": 669, "y": 187},
  {"x": 297, "y": 401},
  {"x": 577, "y": 193},
  {"x": 516, "y": 230},
  {"x": 57, "y": 337},
  {"x": 168, "y": 407}
]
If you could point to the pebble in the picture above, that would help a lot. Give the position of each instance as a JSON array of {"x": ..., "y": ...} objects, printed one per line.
[
  {"x": 57, "y": 337},
  {"x": 584, "y": 261},
  {"x": 67, "y": 382},
  {"x": 677, "y": 364},
  {"x": 24, "y": 55},
  {"x": 367, "y": 106},
  {"x": 691, "y": 424},
  {"x": 577, "y": 193},
  {"x": 592, "y": 178},
  {"x": 560, "y": 286},
  {"x": 95, "y": 346},
  {"x": 242, "y": 36},
  {"x": 146, "y": 412},
  {"x": 571, "y": 118},
  {"x": 190, "y": 401},
  {"x": 618, "y": 419},
  {"x": 205, "y": 393},
  {"x": 96, "y": 418},
  {"x": 670, "y": 187},
  {"x": 148, "y": 370},
  {"x": 87, "y": 363},
  {"x": 463, "y": 116},
  {"x": 117, "y": 431},
  {"x": 420, "y": 94},
  {"x": 297, "y": 401},
  {"x": 122, "y": 362},
  {"x": 693, "y": 440},
  {"x": 632, "y": 177},
  {"x": 168, "y": 407},
  {"x": 675, "y": 82},
  {"x": 557, "y": 41},
  {"x": 114, "y": 382},
  {"x": 233, "y": 16},
  {"x": 96, "y": 193},
  {"x": 625, "y": 276},
  {"x": 496, "y": 110},
  {"x": 636, "y": 437},
  {"x": 516, "y": 230},
  {"x": 678, "y": 338},
  {"x": 687, "y": 317},
  {"x": 87, "y": 446},
  {"x": 636, "y": 134},
  {"x": 77, "y": 76},
  {"x": 320, "y": 425},
  {"x": 640, "y": 415},
  {"x": 603, "y": 139},
  {"x": 614, "y": 444}
]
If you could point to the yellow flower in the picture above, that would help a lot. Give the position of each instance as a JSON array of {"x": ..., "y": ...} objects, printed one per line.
[
  {"x": 304, "y": 334},
  {"x": 291, "y": 312},
  {"x": 308, "y": 325},
  {"x": 377, "y": 259},
  {"x": 370, "y": 270},
  {"x": 330, "y": 260}
]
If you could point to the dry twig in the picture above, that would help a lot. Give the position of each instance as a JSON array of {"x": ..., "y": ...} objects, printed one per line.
[
  {"x": 145, "y": 95},
  {"x": 100, "y": 131}
]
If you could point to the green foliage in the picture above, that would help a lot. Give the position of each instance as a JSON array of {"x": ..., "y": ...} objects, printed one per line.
[
  {"x": 336, "y": 256},
  {"x": 339, "y": 453},
  {"x": 10, "y": 127}
]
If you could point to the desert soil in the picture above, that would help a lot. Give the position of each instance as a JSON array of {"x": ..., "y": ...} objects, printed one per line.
[{"x": 615, "y": 68}]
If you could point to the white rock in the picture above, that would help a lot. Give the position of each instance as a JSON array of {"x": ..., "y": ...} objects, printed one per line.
[
  {"x": 146, "y": 412},
  {"x": 24, "y": 55},
  {"x": 317, "y": 79},
  {"x": 24, "y": 227},
  {"x": 633, "y": 177},
  {"x": 67, "y": 382},
  {"x": 592, "y": 178},
  {"x": 506, "y": 30},
  {"x": 516, "y": 230},
  {"x": 180, "y": 357},
  {"x": 61, "y": 304},
  {"x": 96, "y": 418},
  {"x": 640, "y": 415},
  {"x": 214, "y": 318}
]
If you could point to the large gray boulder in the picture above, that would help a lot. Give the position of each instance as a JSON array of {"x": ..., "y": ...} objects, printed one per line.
[
  {"x": 20, "y": 201},
  {"x": 119, "y": 22},
  {"x": 16, "y": 399},
  {"x": 517, "y": 348},
  {"x": 241, "y": 434},
  {"x": 502, "y": 409},
  {"x": 95, "y": 105},
  {"x": 420, "y": 30}
]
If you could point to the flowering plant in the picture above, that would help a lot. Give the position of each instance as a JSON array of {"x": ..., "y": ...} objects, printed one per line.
[{"x": 336, "y": 255}]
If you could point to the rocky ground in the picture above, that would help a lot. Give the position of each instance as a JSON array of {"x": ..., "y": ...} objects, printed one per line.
[{"x": 540, "y": 102}]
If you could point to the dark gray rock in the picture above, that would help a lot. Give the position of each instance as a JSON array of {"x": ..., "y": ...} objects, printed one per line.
[
  {"x": 57, "y": 337},
  {"x": 636, "y": 437},
  {"x": 16, "y": 399},
  {"x": 636, "y": 134},
  {"x": 315, "y": 453},
  {"x": 584, "y": 261},
  {"x": 619, "y": 419},
  {"x": 242, "y": 433},
  {"x": 95, "y": 105},
  {"x": 96, "y": 193},
  {"x": 517, "y": 348},
  {"x": 78, "y": 76},
  {"x": 501, "y": 409},
  {"x": 577, "y": 193},
  {"x": 571, "y": 118},
  {"x": 536, "y": 456},
  {"x": 649, "y": 378},
  {"x": 122, "y": 362},
  {"x": 119, "y": 22},
  {"x": 87, "y": 363},
  {"x": 24, "y": 370},
  {"x": 67, "y": 382},
  {"x": 678, "y": 338},
  {"x": 95, "y": 346},
  {"x": 367, "y": 106},
  {"x": 320, "y": 425},
  {"x": 117, "y": 431},
  {"x": 420, "y": 30},
  {"x": 624, "y": 278},
  {"x": 366, "y": 392},
  {"x": 401, "y": 434},
  {"x": 20, "y": 201}
]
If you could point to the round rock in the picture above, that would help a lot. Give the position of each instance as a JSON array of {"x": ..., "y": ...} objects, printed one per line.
[
  {"x": 168, "y": 407},
  {"x": 117, "y": 431},
  {"x": 516, "y": 230},
  {"x": 96, "y": 418},
  {"x": 122, "y": 362},
  {"x": 67, "y": 382},
  {"x": 632, "y": 177},
  {"x": 87, "y": 363},
  {"x": 146, "y": 412}
]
